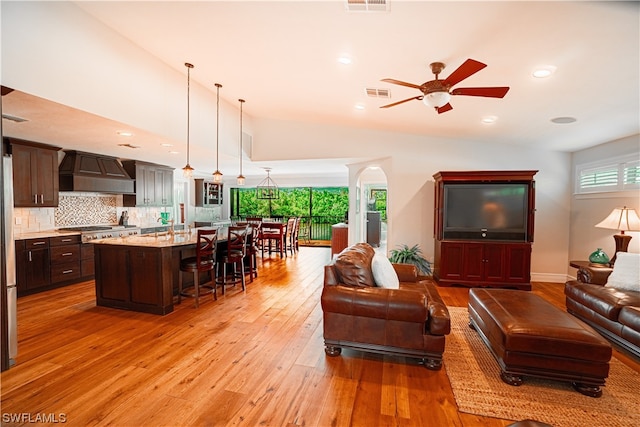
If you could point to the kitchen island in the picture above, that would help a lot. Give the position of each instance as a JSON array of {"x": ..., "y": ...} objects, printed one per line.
[{"x": 141, "y": 273}]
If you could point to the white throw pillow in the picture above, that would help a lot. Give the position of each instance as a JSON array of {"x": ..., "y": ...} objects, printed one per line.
[
  {"x": 383, "y": 273},
  {"x": 626, "y": 272}
]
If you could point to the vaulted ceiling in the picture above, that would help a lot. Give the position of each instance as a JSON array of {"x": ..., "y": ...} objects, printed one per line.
[{"x": 283, "y": 58}]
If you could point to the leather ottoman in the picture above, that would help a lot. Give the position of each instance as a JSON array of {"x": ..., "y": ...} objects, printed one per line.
[{"x": 529, "y": 336}]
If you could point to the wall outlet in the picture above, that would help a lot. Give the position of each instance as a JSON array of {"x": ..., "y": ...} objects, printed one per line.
[{"x": 18, "y": 220}]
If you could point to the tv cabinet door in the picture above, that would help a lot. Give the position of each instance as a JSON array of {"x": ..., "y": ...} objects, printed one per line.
[
  {"x": 474, "y": 262},
  {"x": 494, "y": 262},
  {"x": 451, "y": 261},
  {"x": 517, "y": 263}
]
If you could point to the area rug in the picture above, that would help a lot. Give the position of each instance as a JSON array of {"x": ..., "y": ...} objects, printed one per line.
[{"x": 475, "y": 379}]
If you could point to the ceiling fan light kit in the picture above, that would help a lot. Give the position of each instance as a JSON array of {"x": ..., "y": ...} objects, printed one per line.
[{"x": 437, "y": 93}]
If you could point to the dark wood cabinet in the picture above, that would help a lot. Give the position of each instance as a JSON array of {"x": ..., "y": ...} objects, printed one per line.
[
  {"x": 35, "y": 174},
  {"x": 499, "y": 257},
  {"x": 135, "y": 278},
  {"x": 32, "y": 265},
  {"x": 153, "y": 184},
  {"x": 64, "y": 258},
  {"x": 208, "y": 193},
  {"x": 495, "y": 264},
  {"x": 50, "y": 262}
]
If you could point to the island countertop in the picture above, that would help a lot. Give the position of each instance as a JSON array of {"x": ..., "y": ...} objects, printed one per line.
[{"x": 161, "y": 240}]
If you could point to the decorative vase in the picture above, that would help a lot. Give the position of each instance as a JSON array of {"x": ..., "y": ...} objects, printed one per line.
[{"x": 599, "y": 257}]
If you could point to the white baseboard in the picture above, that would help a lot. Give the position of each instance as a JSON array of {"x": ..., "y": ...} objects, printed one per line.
[{"x": 550, "y": 277}]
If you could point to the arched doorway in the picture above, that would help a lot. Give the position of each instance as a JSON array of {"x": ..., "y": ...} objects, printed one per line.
[{"x": 372, "y": 207}]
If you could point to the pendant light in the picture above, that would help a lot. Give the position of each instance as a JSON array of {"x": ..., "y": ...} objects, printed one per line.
[
  {"x": 187, "y": 170},
  {"x": 240, "y": 179},
  {"x": 267, "y": 189},
  {"x": 217, "y": 175}
]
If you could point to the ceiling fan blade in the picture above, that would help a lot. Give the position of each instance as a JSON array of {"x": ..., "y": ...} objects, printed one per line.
[
  {"x": 404, "y": 100},
  {"x": 446, "y": 107},
  {"x": 401, "y": 83},
  {"x": 468, "y": 68},
  {"x": 489, "y": 92}
]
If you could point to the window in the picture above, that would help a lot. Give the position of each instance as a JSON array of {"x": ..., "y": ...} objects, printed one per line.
[{"x": 615, "y": 175}]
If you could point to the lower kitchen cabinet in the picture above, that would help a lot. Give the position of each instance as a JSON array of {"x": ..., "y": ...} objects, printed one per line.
[
  {"x": 50, "y": 262},
  {"x": 134, "y": 278},
  {"x": 32, "y": 265}
]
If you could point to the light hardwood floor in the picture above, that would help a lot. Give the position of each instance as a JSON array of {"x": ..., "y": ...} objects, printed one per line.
[{"x": 251, "y": 358}]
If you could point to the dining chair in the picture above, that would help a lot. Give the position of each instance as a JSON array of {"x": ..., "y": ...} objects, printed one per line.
[
  {"x": 288, "y": 240},
  {"x": 205, "y": 260},
  {"x": 237, "y": 238},
  {"x": 273, "y": 232}
]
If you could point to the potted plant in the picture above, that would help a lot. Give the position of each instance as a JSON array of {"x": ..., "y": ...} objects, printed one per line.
[{"x": 413, "y": 255}]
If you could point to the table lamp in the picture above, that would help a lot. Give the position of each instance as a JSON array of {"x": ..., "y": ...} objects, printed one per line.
[{"x": 623, "y": 219}]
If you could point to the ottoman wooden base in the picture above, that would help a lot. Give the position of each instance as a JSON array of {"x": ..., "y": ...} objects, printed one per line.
[{"x": 529, "y": 336}]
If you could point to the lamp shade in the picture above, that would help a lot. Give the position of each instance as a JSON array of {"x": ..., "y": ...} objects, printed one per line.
[
  {"x": 623, "y": 219},
  {"x": 436, "y": 99}
]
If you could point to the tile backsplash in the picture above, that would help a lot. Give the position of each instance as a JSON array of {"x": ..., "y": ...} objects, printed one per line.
[
  {"x": 79, "y": 209},
  {"x": 76, "y": 209}
]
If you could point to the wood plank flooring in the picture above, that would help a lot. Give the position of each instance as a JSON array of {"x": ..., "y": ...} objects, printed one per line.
[{"x": 251, "y": 358}]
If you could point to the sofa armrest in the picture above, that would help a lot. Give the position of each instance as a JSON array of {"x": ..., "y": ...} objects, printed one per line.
[
  {"x": 406, "y": 272},
  {"x": 439, "y": 319},
  {"x": 379, "y": 303}
]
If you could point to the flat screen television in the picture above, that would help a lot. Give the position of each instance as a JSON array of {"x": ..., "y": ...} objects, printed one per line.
[{"x": 485, "y": 211}]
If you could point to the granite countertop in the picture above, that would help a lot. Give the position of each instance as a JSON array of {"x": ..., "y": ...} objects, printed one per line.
[
  {"x": 162, "y": 240},
  {"x": 44, "y": 234}
]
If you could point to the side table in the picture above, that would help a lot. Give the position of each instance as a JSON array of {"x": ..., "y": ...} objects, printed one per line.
[{"x": 591, "y": 273}]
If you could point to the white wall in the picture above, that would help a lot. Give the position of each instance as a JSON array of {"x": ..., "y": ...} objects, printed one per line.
[{"x": 588, "y": 210}]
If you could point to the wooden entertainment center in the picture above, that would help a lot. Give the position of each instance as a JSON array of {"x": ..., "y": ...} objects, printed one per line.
[{"x": 483, "y": 228}]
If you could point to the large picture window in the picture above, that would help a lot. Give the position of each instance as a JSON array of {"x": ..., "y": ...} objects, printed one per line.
[{"x": 319, "y": 207}]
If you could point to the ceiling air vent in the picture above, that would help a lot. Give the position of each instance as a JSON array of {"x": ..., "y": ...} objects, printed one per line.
[
  {"x": 378, "y": 93},
  {"x": 367, "y": 5}
]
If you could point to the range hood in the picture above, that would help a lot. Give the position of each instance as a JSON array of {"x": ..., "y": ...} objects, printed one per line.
[{"x": 80, "y": 171}]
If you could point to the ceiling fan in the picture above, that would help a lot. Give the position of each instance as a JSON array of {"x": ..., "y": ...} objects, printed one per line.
[{"x": 437, "y": 93}]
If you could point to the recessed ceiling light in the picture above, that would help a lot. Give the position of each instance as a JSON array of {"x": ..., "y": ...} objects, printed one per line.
[
  {"x": 166, "y": 144},
  {"x": 174, "y": 152},
  {"x": 563, "y": 120},
  {"x": 344, "y": 60},
  {"x": 544, "y": 71},
  {"x": 489, "y": 120},
  {"x": 359, "y": 107},
  {"x": 125, "y": 133}
]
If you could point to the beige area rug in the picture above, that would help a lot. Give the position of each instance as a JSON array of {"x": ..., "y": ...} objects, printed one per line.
[{"x": 478, "y": 389}]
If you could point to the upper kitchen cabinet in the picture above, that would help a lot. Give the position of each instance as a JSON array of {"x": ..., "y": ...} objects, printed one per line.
[
  {"x": 35, "y": 174},
  {"x": 208, "y": 193},
  {"x": 153, "y": 184}
]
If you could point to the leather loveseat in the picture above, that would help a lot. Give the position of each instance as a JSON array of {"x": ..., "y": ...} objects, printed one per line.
[
  {"x": 410, "y": 321},
  {"x": 612, "y": 311}
]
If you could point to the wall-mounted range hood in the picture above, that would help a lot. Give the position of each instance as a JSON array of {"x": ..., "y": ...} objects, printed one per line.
[{"x": 80, "y": 171}]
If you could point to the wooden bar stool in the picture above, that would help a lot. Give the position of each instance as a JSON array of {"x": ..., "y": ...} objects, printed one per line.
[
  {"x": 205, "y": 260},
  {"x": 235, "y": 255}
]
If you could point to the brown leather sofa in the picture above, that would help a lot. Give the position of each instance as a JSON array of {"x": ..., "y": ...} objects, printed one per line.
[
  {"x": 615, "y": 313},
  {"x": 411, "y": 321}
]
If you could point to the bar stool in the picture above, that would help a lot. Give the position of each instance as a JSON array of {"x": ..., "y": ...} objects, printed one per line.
[
  {"x": 235, "y": 254},
  {"x": 205, "y": 260},
  {"x": 252, "y": 247}
]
